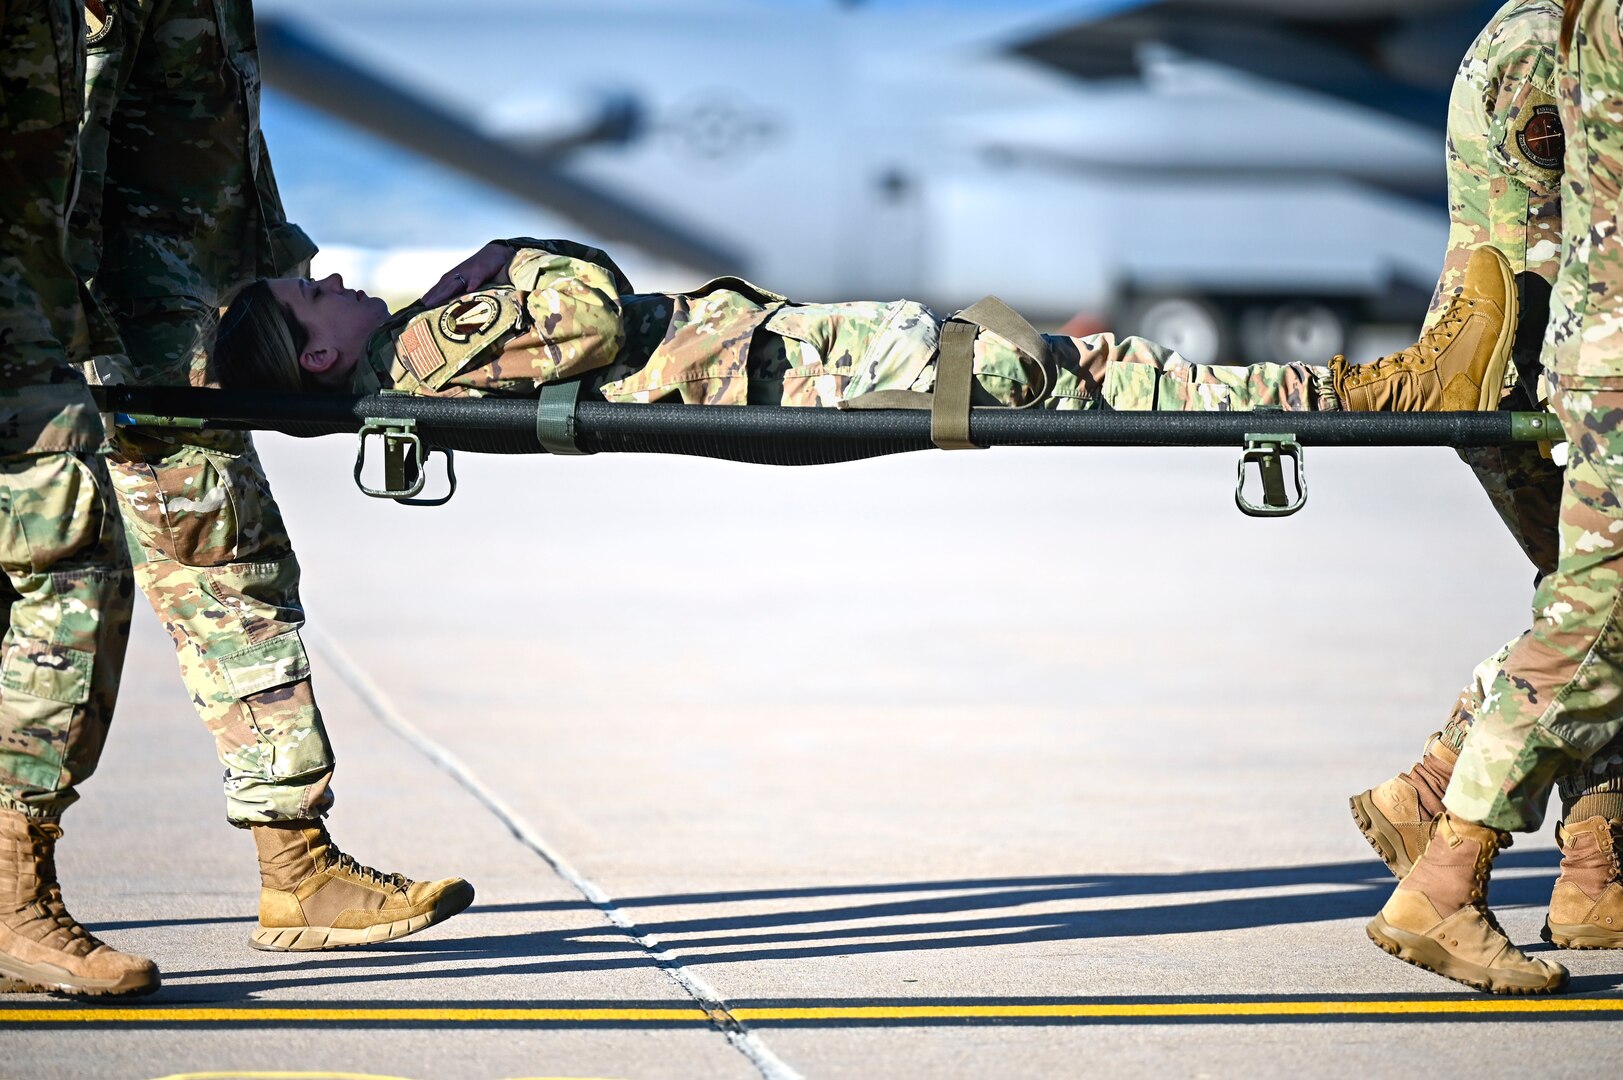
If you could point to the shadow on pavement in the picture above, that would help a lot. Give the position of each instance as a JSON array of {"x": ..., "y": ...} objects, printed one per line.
[{"x": 896, "y": 917}]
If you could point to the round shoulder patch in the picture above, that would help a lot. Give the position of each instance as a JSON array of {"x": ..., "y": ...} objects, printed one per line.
[
  {"x": 1541, "y": 138},
  {"x": 466, "y": 316},
  {"x": 99, "y": 16}
]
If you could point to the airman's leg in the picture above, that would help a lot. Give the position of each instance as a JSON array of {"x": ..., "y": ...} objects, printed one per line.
[
  {"x": 65, "y": 596},
  {"x": 1133, "y": 374},
  {"x": 67, "y": 600},
  {"x": 1558, "y": 698},
  {"x": 180, "y": 208},
  {"x": 1586, "y": 905},
  {"x": 215, "y": 562}
]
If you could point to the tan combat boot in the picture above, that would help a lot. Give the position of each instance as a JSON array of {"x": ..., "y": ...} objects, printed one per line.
[
  {"x": 313, "y": 896},
  {"x": 1586, "y": 908},
  {"x": 1457, "y": 365},
  {"x": 1438, "y": 916},
  {"x": 1396, "y": 817},
  {"x": 42, "y": 947}
]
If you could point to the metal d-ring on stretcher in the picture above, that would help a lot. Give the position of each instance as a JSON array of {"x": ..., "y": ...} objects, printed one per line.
[{"x": 412, "y": 428}]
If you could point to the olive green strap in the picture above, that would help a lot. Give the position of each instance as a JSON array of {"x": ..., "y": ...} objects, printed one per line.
[
  {"x": 955, "y": 366},
  {"x": 555, "y": 417},
  {"x": 949, "y": 402},
  {"x": 954, "y": 374},
  {"x": 992, "y": 314}
]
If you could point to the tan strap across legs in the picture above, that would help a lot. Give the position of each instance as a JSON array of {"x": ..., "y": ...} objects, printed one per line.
[
  {"x": 949, "y": 404},
  {"x": 992, "y": 314},
  {"x": 954, "y": 375}
]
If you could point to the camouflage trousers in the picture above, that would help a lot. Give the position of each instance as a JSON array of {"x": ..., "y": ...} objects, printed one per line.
[
  {"x": 212, "y": 555},
  {"x": 819, "y": 355},
  {"x": 66, "y": 598},
  {"x": 1556, "y": 698},
  {"x": 1525, "y": 489},
  {"x": 1601, "y": 773},
  {"x": 1135, "y": 374},
  {"x": 177, "y": 207}
]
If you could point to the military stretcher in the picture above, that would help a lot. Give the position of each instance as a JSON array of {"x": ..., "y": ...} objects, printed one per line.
[{"x": 407, "y": 430}]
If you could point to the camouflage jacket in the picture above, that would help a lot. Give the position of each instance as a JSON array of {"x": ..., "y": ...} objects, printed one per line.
[
  {"x": 568, "y": 311},
  {"x": 177, "y": 204},
  {"x": 1505, "y": 146},
  {"x": 1585, "y": 343},
  {"x": 44, "y": 405},
  {"x": 558, "y": 315}
]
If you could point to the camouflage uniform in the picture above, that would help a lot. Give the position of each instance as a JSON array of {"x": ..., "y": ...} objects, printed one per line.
[
  {"x": 568, "y": 311},
  {"x": 66, "y": 592},
  {"x": 1558, "y": 696},
  {"x": 1504, "y": 175},
  {"x": 1504, "y": 189},
  {"x": 177, "y": 208}
]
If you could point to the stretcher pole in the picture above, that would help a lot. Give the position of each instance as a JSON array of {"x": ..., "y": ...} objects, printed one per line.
[{"x": 412, "y": 427}]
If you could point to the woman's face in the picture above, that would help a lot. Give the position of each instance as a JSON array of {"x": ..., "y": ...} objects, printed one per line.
[{"x": 337, "y": 321}]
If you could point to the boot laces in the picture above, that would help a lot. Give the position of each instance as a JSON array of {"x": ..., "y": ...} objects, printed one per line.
[
  {"x": 1484, "y": 874},
  {"x": 346, "y": 863},
  {"x": 1613, "y": 840},
  {"x": 1432, "y": 341}
]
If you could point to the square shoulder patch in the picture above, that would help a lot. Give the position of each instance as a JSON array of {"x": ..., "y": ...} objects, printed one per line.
[{"x": 418, "y": 349}]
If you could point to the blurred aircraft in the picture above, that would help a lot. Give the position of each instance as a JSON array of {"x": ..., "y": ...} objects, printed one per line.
[{"x": 1235, "y": 178}]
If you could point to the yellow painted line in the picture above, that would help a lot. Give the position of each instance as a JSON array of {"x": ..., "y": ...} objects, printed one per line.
[
  {"x": 239, "y": 1075},
  {"x": 95, "y": 1015},
  {"x": 1172, "y": 1010},
  {"x": 1417, "y": 1007}
]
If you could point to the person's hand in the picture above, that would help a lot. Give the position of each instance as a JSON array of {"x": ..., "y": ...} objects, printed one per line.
[{"x": 474, "y": 272}]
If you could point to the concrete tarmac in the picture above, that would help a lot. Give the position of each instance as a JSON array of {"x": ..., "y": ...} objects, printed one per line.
[{"x": 1014, "y": 763}]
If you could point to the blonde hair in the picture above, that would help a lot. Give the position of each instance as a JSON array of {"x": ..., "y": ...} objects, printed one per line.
[{"x": 257, "y": 344}]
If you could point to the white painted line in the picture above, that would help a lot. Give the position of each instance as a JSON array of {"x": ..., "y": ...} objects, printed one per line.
[{"x": 704, "y": 995}]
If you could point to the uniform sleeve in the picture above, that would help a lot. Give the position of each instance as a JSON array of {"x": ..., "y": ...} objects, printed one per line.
[
  {"x": 1518, "y": 84},
  {"x": 1503, "y": 174},
  {"x": 1525, "y": 197},
  {"x": 571, "y": 324}
]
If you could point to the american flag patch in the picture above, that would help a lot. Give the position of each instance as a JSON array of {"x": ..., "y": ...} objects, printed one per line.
[{"x": 417, "y": 347}]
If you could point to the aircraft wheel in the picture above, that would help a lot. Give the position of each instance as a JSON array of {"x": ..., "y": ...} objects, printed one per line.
[
  {"x": 1305, "y": 332},
  {"x": 1197, "y": 329}
]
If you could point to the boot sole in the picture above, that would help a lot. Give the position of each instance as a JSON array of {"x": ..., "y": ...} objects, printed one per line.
[
  {"x": 1493, "y": 379},
  {"x": 1580, "y": 937},
  {"x": 1388, "y": 844},
  {"x": 19, "y": 978},
  {"x": 1423, "y": 952},
  {"x": 316, "y": 938}
]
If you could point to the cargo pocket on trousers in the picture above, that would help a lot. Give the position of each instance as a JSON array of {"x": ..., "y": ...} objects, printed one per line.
[
  {"x": 271, "y": 682},
  {"x": 899, "y": 355},
  {"x": 202, "y": 515},
  {"x": 1131, "y": 387},
  {"x": 53, "y": 672},
  {"x": 55, "y": 510},
  {"x": 265, "y": 666}
]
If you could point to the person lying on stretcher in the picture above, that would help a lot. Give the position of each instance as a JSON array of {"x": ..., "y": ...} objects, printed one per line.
[{"x": 522, "y": 313}]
